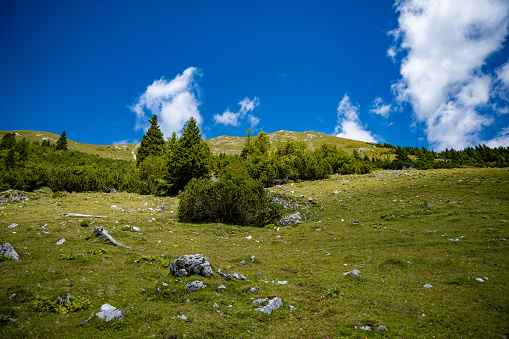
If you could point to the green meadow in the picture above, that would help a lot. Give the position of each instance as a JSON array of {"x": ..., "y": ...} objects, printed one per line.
[{"x": 401, "y": 229}]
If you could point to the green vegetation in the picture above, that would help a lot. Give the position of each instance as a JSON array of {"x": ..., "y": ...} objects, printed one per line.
[
  {"x": 152, "y": 143},
  {"x": 62, "y": 142},
  {"x": 397, "y": 255}
]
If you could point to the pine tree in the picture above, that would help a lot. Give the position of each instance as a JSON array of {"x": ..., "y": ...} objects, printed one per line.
[
  {"x": 8, "y": 141},
  {"x": 188, "y": 158},
  {"x": 62, "y": 142},
  {"x": 152, "y": 142}
]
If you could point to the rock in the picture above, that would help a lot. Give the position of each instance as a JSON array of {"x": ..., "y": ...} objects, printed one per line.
[
  {"x": 12, "y": 225},
  {"x": 109, "y": 312},
  {"x": 224, "y": 275},
  {"x": 249, "y": 237},
  {"x": 164, "y": 284},
  {"x": 272, "y": 305},
  {"x": 428, "y": 286},
  {"x": 354, "y": 223},
  {"x": 335, "y": 192},
  {"x": 215, "y": 305},
  {"x": 60, "y": 242},
  {"x": 291, "y": 219},
  {"x": 253, "y": 289},
  {"x": 6, "y": 249},
  {"x": 77, "y": 215},
  {"x": 479, "y": 280},
  {"x": 282, "y": 282},
  {"x": 239, "y": 276},
  {"x": 292, "y": 308},
  {"x": 364, "y": 327},
  {"x": 354, "y": 272},
  {"x": 181, "y": 316},
  {"x": 181, "y": 273},
  {"x": 221, "y": 288},
  {"x": 192, "y": 264},
  {"x": 194, "y": 285},
  {"x": 252, "y": 258},
  {"x": 243, "y": 262},
  {"x": 135, "y": 229},
  {"x": 381, "y": 328}
]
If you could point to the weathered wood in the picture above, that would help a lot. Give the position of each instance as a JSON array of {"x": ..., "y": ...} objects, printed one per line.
[
  {"x": 100, "y": 232},
  {"x": 77, "y": 215}
]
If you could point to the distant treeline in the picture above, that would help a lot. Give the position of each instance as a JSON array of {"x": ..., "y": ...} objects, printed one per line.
[{"x": 165, "y": 167}]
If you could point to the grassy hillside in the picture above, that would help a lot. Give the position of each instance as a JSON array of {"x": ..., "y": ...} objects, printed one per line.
[
  {"x": 401, "y": 230},
  {"x": 225, "y": 144}
]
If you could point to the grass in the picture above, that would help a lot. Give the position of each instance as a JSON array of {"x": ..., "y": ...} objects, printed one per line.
[{"x": 401, "y": 243}]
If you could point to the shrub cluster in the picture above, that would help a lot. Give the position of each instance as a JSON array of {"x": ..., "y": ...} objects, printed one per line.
[{"x": 234, "y": 198}]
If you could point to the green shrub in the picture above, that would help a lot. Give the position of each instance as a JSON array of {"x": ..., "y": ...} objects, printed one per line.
[{"x": 235, "y": 198}]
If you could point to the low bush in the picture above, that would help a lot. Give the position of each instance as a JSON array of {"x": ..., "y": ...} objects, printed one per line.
[{"x": 234, "y": 198}]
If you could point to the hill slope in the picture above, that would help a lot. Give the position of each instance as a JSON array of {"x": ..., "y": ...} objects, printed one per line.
[{"x": 225, "y": 144}]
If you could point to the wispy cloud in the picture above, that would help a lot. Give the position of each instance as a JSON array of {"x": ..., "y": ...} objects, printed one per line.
[
  {"x": 381, "y": 108},
  {"x": 348, "y": 124},
  {"x": 174, "y": 102},
  {"x": 446, "y": 43},
  {"x": 233, "y": 118}
]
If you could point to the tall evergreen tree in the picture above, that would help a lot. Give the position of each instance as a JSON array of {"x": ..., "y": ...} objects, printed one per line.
[
  {"x": 62, "y": 142},
  {"x": 152, "y": 142},
  {"x": 188, "y": 158},
  {"x": 8, "y": 141}
]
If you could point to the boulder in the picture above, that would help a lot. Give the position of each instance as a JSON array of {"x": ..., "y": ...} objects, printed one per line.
[
  {"x": 291, "y": 219},
  {"x": 60, "y": 242},
  {"x": 192, "y": 264},
  {"x": 109, "y": 312},
  {"x": 194, "y": 285},
  {"x": 135, "y": 229},
  {"x": 221, "y": 288},
  {"x": 272, "y": 305},
  {"x": 6, "y": 249}
]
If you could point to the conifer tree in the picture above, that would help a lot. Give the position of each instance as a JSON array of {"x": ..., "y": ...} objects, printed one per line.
[
  {"x": 152, "y": 142},
  {"x": 188, "y": 158},
  {"x": 62, "y": 142}
]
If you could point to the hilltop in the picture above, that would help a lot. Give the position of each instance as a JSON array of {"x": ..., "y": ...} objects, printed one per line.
[{"x": 221, "y": 144}]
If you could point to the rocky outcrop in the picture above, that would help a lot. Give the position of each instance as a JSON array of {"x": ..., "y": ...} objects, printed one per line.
[
  {"x": 191, "y": 264},
  {"x": 6, "y": 249},
  {"x": 291, "y": 219}
]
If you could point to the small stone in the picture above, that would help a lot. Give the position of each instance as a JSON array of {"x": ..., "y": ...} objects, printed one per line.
[
  {"x": 272, "y": 305},
  {"x": 135, "y": 229},
  {"x": 12, "y": 296},
  {"x": 282, "y": 282},
  {"x": 109, "y": 312},
  {"x": 354, "y": 223},
  {"x": 428, "y": 286},
  {"x": 215, "y": 305},
  {"x": 252, "y": 258},
  {"x": 479, "y": 280},
  {"x": 60, "y": 242},
  {"x": 253, "y": 289},
  {"x": 221, "y": 288},
  {"x": 12, "y": 225},
  {"x": 259, "y": 300},
  {"x": 181, "y": 316},
  {"x": 381, "y": 328},
  {"x": 249, "y": 237},
  {"x": 239, "y": 276},
  {"x": 335, "y": 192},
  {"x": 193, "y": 286},
  {"x": 292, "y": 308},
  {"x": 354, "y": 272},
  {"x": 243, "y": 262},
  {"x": 165, "y": 284}
]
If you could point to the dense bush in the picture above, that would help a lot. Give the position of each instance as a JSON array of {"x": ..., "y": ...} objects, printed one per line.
[{"x": 234, "y": 198}]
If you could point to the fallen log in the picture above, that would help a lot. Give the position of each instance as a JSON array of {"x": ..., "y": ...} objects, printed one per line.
[
  {"x": 77, "y": 215},
  {"x": 100, "y": 232}
]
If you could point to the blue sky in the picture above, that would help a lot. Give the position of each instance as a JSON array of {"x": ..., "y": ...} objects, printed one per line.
[{"x": 431, "y": 73}]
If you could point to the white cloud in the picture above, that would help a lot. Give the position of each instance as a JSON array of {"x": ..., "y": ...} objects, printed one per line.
[
  {"x": 253, "y": 120},
  {"x": 381, "y": 108},
  {"x": 349, "y": 125},
  {"x": 174, "y": 102},
  {"x": 446, "y": 44},
  {"x": 501, "y": 140},
  {"x": 230, "y": 118}
]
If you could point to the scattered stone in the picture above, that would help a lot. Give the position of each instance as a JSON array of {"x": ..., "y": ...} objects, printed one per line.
[
  {"x": 272, "y": 305},
  {"x": 239, "y": 276},
  {"x": 479, "y": 280},
  {"x": 335, "y": 192},
  {"x": 282, "y": 282},
  {"x": 12, "y": 225},
  {"x": 291, "y": 219},
  {"x": 135, "y": 229},
  {"x": 249, "y": 237},
  {"x": 60, "y": 242},
  {"x": 364, "y": 327},
  {"x": 381, "y": 328},
  {"x": 11, "y": 195},
  {"x": 164, "y": 284},
  {"x": 12, "y": 296},
  {"x": 253, "y": 289},
  {"x": 354, "y": 272},
  {"x": 292, "y": 308},
  {"x": 252, "y": 258},
  {"x": 181, "y": 316},
  {"x": 224, "y": 275},
  {"x": 157, "y": 290},
  {"x": 194, "y": 285},
  {"x": 181, "y": 273},
  {"x": 428, "y": 286},
  {"x": 109, "y": 312},
  {"x": 192, "y": 264},
  {"x": 243, "y": 262},
  {"x": 215, "y": 305},
  {"x": 77, "y": 215},
  {"x": 100, "y": 232},
  {"x": 221, "y": 288},
  {"x": 354, "y": 223},
  {"x": 43, "y": 232}
]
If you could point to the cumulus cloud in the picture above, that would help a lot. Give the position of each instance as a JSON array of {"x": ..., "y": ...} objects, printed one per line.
[
  {"x": 446, "y": 43},
  {"x": 349, "y": 125},
  {"x": 501, "y": 140},
  {"x": 381, "y": 108},
  {"x": 174, "y": 102},
  {"x": 232, "y": 118}
]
